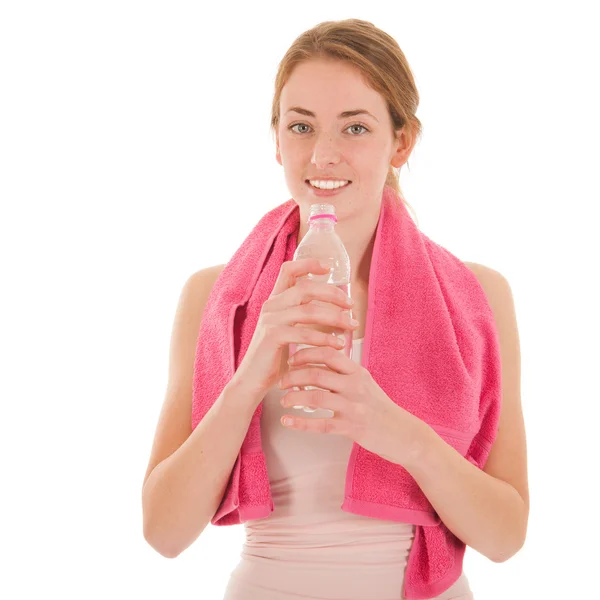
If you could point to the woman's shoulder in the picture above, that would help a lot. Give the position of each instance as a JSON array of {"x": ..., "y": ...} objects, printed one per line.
[
  {"x": 488, "y": 278},
  {"x": 203, "y": 280},
  {"x": 478, "y": 269},
  {"x": 196, "y": 291}
]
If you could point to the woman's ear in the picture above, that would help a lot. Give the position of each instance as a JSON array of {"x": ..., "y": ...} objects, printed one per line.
[
  {"x": 277, "y": 153},
  {"x": 404, "y": 145}
]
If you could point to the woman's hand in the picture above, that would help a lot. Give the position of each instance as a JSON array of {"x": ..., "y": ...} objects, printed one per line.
[
  {"x": 362, "y": 410},
  {"x": 281, "y": 321}
]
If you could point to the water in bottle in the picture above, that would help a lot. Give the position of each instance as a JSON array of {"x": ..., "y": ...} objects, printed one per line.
[{"x": 323, "y": 243}]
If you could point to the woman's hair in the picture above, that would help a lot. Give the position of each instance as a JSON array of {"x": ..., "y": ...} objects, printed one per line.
[{"x": 376, "y": 54}]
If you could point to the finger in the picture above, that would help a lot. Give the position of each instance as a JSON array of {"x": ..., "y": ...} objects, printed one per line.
[
  {"x": 289, "y": 334},
  {"x": 331, "y": 425},
  {"x": 329, "y": 316},
  {"x": 315, "y": 398},
  {"x": 314, "y": 375},
  {"x": 307, "y": 291},
  {"x": 291, "y": 270},
  {"x": 336, "y": 360}
]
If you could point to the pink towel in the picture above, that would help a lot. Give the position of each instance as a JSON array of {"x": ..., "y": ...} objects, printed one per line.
[{"x": 442, "y": 364}]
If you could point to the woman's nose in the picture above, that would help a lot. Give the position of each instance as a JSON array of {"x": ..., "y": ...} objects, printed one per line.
[{"x": 325, "y": 151}]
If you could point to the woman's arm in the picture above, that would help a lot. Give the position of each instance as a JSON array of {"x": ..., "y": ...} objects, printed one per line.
[
  {"x": 189, "y": 470},
  {"x": 488, "y": 510},
  {"x": 183, "y": 492}
]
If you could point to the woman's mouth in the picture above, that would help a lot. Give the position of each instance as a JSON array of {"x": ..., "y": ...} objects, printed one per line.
[{"x": 327, "y": 192}]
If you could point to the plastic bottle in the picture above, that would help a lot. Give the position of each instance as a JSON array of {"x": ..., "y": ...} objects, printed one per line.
[{"x": 323, "y": 243}]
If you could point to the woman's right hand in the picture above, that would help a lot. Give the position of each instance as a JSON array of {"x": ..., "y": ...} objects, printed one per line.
[{"x": 290, "y": 304}]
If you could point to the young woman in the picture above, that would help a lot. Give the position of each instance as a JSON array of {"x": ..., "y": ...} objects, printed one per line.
[{"x": 343, "y": 111}]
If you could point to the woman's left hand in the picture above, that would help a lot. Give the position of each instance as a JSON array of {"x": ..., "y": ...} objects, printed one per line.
[{"x": 362, "y": 410}]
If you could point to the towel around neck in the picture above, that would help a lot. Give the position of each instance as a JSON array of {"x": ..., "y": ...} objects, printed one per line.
[{"x": 430, "y": 343}]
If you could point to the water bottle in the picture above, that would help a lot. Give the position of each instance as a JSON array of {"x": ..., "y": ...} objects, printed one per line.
[{"x": 323, "y": 243}]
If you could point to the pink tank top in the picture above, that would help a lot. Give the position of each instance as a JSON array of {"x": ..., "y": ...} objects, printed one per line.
[{"x": 308, "y": 547}]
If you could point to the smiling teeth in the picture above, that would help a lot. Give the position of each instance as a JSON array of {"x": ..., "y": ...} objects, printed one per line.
[{"x": 327, "y": 185}]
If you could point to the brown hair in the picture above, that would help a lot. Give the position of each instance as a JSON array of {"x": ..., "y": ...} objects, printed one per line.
[{"x": 376, "y": 54}]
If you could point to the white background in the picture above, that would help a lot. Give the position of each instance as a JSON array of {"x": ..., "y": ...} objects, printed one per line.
[{"x": 132, "y": 132}]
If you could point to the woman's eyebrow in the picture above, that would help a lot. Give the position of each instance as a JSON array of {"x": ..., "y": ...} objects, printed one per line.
[{"x": 343, "y": 115}]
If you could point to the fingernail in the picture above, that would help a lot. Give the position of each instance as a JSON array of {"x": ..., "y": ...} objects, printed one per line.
[
  {"x": 353, "y": 322},
  {"x": 291, "y": 360},
  {"x": 286, "y": 421}
]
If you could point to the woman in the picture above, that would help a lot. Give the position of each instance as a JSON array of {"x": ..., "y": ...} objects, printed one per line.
[{"x": 344, "y": 110}]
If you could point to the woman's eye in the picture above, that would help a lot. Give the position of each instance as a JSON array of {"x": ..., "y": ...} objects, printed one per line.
[
  {"x": 298, "y": 125},
  {"x": 357, "y": 125},
  {"x": 305, "y": 125}
]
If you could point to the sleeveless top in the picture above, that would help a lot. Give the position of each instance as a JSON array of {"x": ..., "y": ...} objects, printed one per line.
[{"x": 308, "y": 548}]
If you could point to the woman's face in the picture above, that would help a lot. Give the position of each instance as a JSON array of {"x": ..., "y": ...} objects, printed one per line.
[{"x": 358, "y": 147}]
